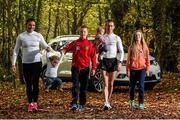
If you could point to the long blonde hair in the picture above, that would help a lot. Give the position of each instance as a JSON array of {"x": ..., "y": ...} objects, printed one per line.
[{"x": 134, "y": 42}]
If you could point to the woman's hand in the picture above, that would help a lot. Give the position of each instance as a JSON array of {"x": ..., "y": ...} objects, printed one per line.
[
  {"x": 147, "y": 73},
  {"x": 14, "y": 68},
  {"x": 48, "y": 49},
  {"x": 128, "y": 73}
]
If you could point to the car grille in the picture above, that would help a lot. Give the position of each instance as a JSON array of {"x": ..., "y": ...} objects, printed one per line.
[
  {"x": 149, "y": 78},
  {"x": 121, "y": 76},
  {"x": 151, "y": 62}
]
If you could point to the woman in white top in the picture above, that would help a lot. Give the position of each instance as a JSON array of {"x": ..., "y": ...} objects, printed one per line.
[
  {"x": 30, "y": 41},
  {"x": 111, "y": 62}
]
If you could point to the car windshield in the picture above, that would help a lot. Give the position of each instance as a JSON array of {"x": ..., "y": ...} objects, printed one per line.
[{"x": 59, "y": 45}]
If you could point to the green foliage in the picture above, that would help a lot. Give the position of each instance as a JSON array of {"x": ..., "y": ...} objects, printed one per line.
[
  {"x": 158, "y": 19},
  {"x": 4, "y": 76}
]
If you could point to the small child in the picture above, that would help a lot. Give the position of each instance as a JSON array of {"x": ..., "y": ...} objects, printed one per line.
[
  {"x": 52, "y": 81},
  {"x": 100, "y": 43}
]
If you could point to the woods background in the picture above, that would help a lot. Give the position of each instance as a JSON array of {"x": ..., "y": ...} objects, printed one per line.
[{"x": 159, "y": 20}]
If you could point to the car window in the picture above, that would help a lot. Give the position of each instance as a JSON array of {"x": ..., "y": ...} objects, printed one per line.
[
  {"x": 54, "y": 45},
  {"x": 62, "y": 44}
]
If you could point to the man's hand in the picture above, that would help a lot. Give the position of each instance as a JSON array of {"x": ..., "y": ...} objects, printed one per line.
[
  {"x": 147, "y": 73},
  {"x": 14, "y": 68},
  {"x": 92, "y": 72},
  {"x": 118, "y": 67}
]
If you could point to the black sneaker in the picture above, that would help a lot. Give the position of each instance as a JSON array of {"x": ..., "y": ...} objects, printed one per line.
[
  {"x": 74, "y": 107},
  {"x": 105, "y": 107},
  {"x": 81, "y": 108}
]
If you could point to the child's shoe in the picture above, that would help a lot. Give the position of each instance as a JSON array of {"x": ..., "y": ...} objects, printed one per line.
[
  {"x": 81, "y": 108},
  {"x": 30, "y": 107},
  {"x": 141, "y": 106},
  {"x": 131, "y": 103}
]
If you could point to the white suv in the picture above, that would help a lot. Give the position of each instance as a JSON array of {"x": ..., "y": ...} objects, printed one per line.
[{"x": 64, "y": 71}]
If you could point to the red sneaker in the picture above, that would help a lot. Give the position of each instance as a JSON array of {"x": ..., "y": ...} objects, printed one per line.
[
  {"x": 30, "y": 107},
  {"x": 35, "y": 106}
]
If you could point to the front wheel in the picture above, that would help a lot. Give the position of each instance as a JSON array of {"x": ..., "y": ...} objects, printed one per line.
[{"x": 97, "y": 81}]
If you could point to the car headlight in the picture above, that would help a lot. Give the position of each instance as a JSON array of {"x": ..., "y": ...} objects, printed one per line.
[{"x": 153, "y": 62}]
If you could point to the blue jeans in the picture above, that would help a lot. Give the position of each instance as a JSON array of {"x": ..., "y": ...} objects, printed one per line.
[
  {"x": 137, "y": 75},
  {"x": 80, "y": 84},
  {"x": 53, "y": 82}
]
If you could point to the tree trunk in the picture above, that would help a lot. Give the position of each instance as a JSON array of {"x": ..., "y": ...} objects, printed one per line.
[
  {"x": 3, "y": 25},
  {"x": 19, "y": 29},
  {"x": 174, "y": 52},
  {"x": 119, "y": 10},
  {"x": 9, "y": 38},
  {"x": 57, "y": 20},
  {"x": 38, "y": 22},
  {"x": 160, "y": 27},
  {"x": 49, "y": 20},
  {"x": 138, "y": 24},
  {"x": 34, "y": 8},
  {"x": 68, "y": 22},
  {"x": 74, "y": 28},
  {"x": 100, "y": 14}
]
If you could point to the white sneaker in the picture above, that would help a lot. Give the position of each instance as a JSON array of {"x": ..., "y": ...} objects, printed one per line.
[{"x": 107, "y": 106}]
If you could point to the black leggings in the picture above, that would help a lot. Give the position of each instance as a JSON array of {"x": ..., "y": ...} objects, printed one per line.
[{"x": 31, "y": 73}]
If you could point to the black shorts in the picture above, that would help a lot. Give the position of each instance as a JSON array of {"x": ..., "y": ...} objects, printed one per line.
[{"x": 109, "y": 64}]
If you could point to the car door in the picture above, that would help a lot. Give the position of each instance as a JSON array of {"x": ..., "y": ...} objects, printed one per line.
[{"x": 64, "y": 69}]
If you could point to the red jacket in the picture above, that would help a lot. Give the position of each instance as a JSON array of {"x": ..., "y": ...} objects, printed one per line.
[{"x": 83, "y": 52}]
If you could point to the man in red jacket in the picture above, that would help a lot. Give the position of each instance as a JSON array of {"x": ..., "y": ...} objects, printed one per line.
[{"x": 83, "y": 53}]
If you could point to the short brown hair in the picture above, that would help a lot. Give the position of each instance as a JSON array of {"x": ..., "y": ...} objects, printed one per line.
[
  {"x": 84, "y": 26},
  {"x": 54, "y": 57},
  {"x": 109, "y": 20},
  {"x": 99, "y": 29},
  {"x": 30, "y": 20}
]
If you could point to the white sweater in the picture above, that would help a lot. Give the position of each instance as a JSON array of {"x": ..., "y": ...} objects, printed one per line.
[
  {"x": 30, "y": 44},
  {"x": 114, "y": 46},
  {"x": 52, "y": 70}
]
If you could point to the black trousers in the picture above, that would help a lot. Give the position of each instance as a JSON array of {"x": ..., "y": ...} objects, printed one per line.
[
  {"x": 31, "y": 73},
  {"x": 80, "y": 84}
]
